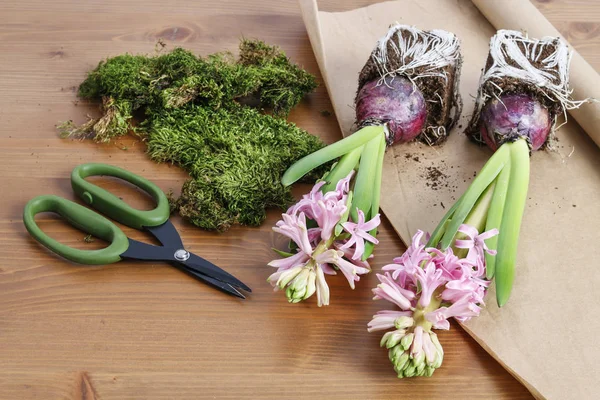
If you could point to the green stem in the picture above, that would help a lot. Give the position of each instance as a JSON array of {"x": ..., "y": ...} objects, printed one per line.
[
  {"x": 516, "y": 197},
  {"x": 369, "y": 247},
  {"x": 437, "y": 234},
  {"x": 363, "y": 185},
  {"x": 479, "y": 212},
  {"x": 488, "y": 174},
  {"x": 494, "y": 217},
  {"x": 339, "y": 228},
  {"x": 476, "y": 218},
  {"x": 342, "y": 168},
  {"x": 335, "y": 150},
  {"x": 420, "y": 312}
]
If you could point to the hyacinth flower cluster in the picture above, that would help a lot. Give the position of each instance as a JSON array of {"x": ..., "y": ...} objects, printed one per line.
[
  {"x": 429, "y": 286},
  {"x": 324, "y": 239}
]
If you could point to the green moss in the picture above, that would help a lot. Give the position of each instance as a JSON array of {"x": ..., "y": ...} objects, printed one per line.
[
  {"x": 235, "y": 155},
  {"x": 207, "y": 116}
]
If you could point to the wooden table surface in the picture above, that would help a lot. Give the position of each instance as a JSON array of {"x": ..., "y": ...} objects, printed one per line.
[{"x": 139, "y": 331}]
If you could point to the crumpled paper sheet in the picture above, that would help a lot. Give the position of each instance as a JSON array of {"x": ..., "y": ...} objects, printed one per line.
[{"x": 546, "y": 334}]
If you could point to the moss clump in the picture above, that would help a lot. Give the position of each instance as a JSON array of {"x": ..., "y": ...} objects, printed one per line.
[{"x": 207, "y": 116}]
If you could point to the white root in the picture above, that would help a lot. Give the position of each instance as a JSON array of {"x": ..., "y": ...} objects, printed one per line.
[
  {"x": 426, "y": 50},
  {"x": 513, "y": 54}
]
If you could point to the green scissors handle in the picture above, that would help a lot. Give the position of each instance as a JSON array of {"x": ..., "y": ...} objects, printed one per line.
[
  {"x": 93, "y": 223},
  {"x": 113, "y": 207},
  {"x": 82, "y": 218}
]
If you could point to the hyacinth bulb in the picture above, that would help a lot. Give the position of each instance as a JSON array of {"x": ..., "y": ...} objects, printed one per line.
[
  {"x": 515, "y": 116},
  {"x": 395, "y": 102}
]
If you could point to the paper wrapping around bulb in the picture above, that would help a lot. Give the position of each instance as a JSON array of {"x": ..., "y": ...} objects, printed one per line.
[{"x": 546, "y": 334}]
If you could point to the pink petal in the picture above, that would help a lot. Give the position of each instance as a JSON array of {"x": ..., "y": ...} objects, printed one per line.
[
  {"x": 359, "y": 250},
  {"x": 328, "y": 269},
  {"x": 464, "y": 244},
  {"x": 322, "y": 289},
  {"x": 417, "y": 344},
  {"x": 488, "y": 234},
  {"x": 429, "y": 348},
  {"x": 468, "y": 230},
  {"x": 289, "y": 262},
  {"x": 367, "y": 237},
  {"x": 385, "y": 320},
  {"x": 372, "y": 224}
]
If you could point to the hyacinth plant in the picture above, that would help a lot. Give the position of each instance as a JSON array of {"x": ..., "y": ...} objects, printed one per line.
[
  {"x": 407, "y": 90},
  {"x": 522, "y": 91},
  {"x": 429, "y": 286},
  {"x": 325, "y": 239}
]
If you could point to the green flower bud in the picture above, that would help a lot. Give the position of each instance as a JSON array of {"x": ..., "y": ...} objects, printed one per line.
[
  {"x": 419, "y": 359},
  {"x": 395, "y": 353},
  {"x": 395, "y": 338},
  {"x": 302, "y": 286},
  {"x": 288, "y": 275},
  {"x": 421, "y": 369},
  {"x": 392, "y": 338},
  {"x": 440, "y": 351},
  {"x": 404, "y": 322},
  {"x": 429, "y": 371},
  {"x": 399, "y": 359},
  {"x": 311, "y": 286},
  {"x": 407, "y": 341},
  {"x": 410, "y": 370},
  {"x": 384, "y": 339}
]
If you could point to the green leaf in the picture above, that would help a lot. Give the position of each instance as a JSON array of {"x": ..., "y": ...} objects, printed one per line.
[
  {"x": 363, "y": 186},
  {"x": 282, "y": 253},
  {"x": 369, "y": 247},
  {"x": 516, "y": 198},
  {"x": 333, "y": 151},
  {"x": 488, "y": 174},
  {"x": 494, "y": 217},
  {"x": 338, "y": 227},
  {"x": 341, "y": 169}
]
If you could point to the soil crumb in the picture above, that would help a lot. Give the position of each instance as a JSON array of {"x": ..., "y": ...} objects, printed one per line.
[
  {"x": 414, "y": 157},
  {"x": 435, "y": 178}
]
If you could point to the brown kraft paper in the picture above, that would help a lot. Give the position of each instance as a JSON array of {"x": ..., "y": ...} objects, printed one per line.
[{"x": 545, "y": 335}]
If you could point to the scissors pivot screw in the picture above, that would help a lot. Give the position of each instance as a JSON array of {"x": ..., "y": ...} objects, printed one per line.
[{"x": 182, "y": 255}]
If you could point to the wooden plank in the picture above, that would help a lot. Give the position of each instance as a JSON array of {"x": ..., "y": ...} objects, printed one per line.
[{"x": 139, "y": 331}]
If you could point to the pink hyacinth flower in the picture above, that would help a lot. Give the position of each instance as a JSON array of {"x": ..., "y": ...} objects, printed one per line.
[
  {"x": 327, "y": 214},
  {"x": 386, "y": 319},
  {"x": 360, "y": 232},
  {"x": 475, "y": 243},
  {"x": 405, "y": 266},
  {"x": 291, "y": 261},
  {"x": 459, "y": 288},
  {"x": 294, "y": 227},
  {"x": 389, "y": 290},
  {"x": 430, "y": 278},
  {"x": 322, "y": 288},
  {"x": 463, "y": 310},
  {"x": 306, "y": 203},
  {"x": 349, "y": 270}
]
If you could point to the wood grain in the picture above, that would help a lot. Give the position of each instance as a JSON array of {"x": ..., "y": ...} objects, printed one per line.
[{"x": 146, "y": 331}]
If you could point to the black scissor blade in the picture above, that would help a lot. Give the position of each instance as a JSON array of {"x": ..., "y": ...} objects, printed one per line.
[
  {"x": 205, "y": 267},
  {"x": 147, "y": 252},
  {"x": 166, "y": 234},
  {"x": 225, "y": 287}
]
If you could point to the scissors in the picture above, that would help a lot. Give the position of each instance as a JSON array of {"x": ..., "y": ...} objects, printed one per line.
[{"x": 155, "y": 221}]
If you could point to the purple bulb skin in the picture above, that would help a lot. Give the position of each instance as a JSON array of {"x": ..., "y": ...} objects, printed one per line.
[
  {"x": 396, "y": 102},
  {"x": 518, "y": 115}
]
